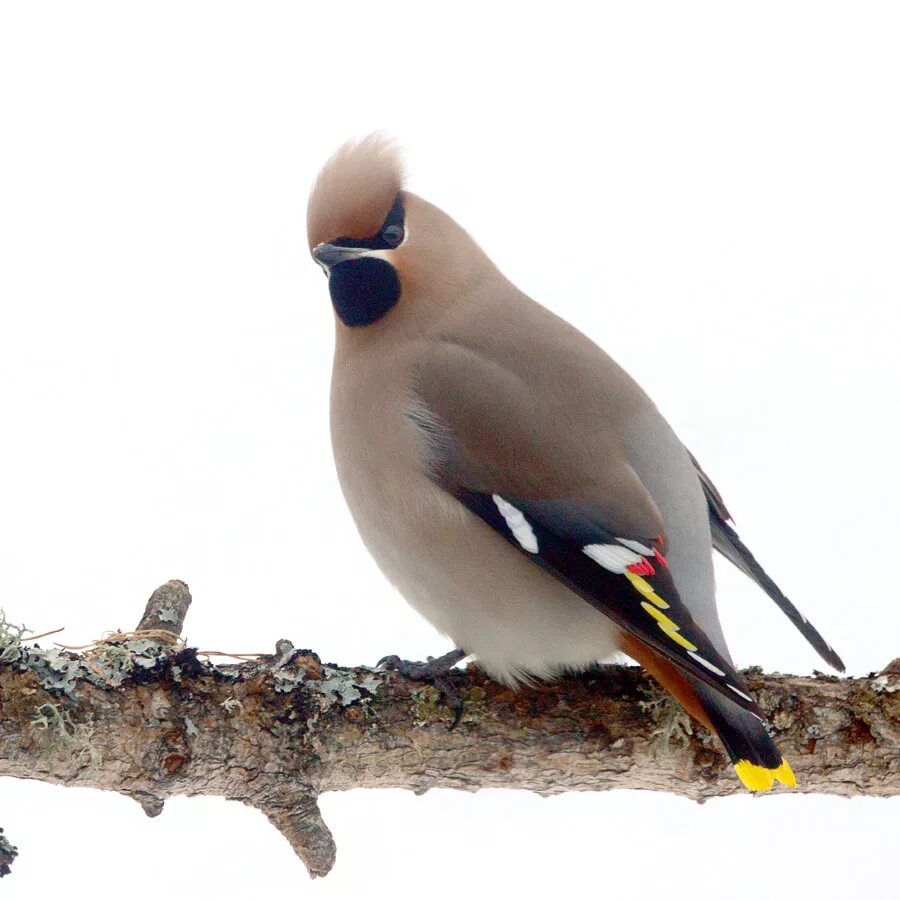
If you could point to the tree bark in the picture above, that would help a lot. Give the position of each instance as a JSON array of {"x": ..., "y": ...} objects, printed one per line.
[{"x": 144, "y": 716}]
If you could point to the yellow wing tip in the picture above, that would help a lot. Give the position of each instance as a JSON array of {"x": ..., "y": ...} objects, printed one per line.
[{"x": 759, "y": 778}]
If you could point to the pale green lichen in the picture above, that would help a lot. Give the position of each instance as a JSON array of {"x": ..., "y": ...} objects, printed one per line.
[
  {"x": 114, "y": 662},
  {"x": 66, "y": 740},
  {"x": 337, "y": 684},
  {"x": 146, "y": 653},
  {"x": 286, "y": 680},
  {"x": 674, "y": 723},
  {"x": 285, "y": 650},
  {"x": 168, "y": 614},
  {"x": 108, "y": 665},
  {"x": 427, "y": 707},
  {"x": 331, "y": 683},
  {"x": 231, "y": 705},
  {"x": 57, "y": 670},
  {"x": 885, "y": 684},
  {"x": 11, "y": 637},
  {"x": 431, "y": 705},
  {"x": 474, "y": 707},
  {"x": 286, "y": 677},
  {"x": 829, "y": 720}
]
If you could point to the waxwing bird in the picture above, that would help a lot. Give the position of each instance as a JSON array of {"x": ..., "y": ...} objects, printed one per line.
[{"x": 517, "y": 486}]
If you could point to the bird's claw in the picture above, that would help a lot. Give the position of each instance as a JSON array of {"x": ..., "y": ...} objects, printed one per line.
[
  {"x": 430, "y": 670},
  {"x": 435, "y": 670}
]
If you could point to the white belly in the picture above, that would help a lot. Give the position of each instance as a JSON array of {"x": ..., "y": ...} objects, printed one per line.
[{"x": 471, "y": 584}]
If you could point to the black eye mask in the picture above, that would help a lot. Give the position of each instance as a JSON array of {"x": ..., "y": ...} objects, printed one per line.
[{"x": 387, "y": 237}]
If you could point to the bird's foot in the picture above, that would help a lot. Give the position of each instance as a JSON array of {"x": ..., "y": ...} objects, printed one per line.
[
  {"x": 437, "y": 671},
  {"x": 430, "y": 670}
]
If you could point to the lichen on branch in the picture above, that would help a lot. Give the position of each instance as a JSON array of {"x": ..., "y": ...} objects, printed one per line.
[{"x": 141, "y": 714}]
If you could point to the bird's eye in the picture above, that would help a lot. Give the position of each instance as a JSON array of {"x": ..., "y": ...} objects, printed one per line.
[{"x": 393, "y": 235}]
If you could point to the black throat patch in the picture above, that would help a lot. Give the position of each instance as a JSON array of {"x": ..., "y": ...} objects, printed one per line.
[{"x": 365, "y": 289}]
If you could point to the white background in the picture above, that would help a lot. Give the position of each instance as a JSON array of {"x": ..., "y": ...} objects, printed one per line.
[{"x": 710, "y": 191}]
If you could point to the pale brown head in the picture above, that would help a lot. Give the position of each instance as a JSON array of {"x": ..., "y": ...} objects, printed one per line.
[
  {"x": 379, "y": 243},
  {"x": 355, "y": 191},
  {"x": 355, "y": 218}
]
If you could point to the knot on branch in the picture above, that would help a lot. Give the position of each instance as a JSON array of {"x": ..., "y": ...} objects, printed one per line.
[{"x": 295, "y": 813}]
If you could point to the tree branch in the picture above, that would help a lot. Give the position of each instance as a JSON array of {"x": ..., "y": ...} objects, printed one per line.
[
  {"x": 166, "y": 609},
  {"x": 145, "y": 717}
]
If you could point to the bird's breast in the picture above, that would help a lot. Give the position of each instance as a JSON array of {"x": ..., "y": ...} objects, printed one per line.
[{"x": 465, "y": 579}]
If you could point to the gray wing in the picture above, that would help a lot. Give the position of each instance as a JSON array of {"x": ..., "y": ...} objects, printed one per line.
[
  {"x": 562, "y": 493},
  {"x": 725, "y": 539}
]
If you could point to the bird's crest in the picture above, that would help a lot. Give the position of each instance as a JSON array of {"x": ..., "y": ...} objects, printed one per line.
[{"x": 355, "y": 190}]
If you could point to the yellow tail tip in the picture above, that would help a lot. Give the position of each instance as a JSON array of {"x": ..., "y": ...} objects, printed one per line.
[{"x": 759, "y": 778}]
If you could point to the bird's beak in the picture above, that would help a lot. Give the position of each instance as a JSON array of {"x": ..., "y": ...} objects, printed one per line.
[{"x": 329, "y": 255}]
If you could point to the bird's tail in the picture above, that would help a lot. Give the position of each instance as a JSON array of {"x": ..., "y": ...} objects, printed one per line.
[{"x": 756, "y": 759}]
